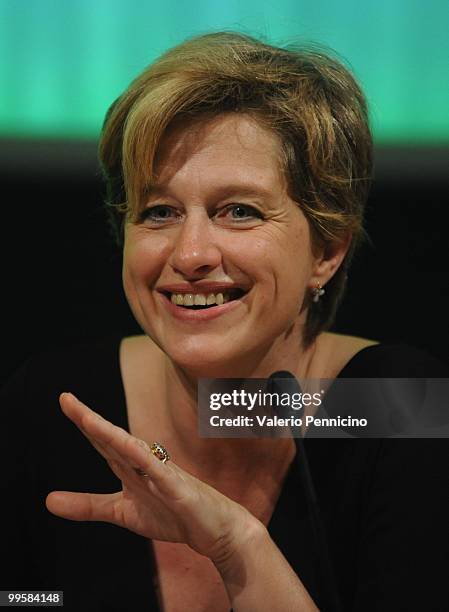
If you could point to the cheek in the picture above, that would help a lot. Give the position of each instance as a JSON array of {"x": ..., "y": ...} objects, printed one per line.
[
  {"x": 282, "y": 255},
  {"x": 143, "y": 259}
]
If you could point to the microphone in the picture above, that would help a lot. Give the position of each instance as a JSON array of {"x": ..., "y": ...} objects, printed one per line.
[{"x": 281, "y": 382}]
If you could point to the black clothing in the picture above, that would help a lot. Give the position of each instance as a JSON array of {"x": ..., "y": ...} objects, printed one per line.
[{"x": 384, "y": 503}]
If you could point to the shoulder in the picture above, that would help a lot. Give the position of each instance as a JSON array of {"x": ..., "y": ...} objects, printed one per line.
[
  {"x": 334, "y": 351},
  {"x": 89, "y": 369},
  {"x": 39, "y": 438},
  {"x": 394, "y": 361},
  {"x": 141, "y": 349},
  {"x": 142, "y": 365},
  {"x": 88, "y": 355},
  {"x": 342, "y": 356},
  {"x": 139, "y": 356}
]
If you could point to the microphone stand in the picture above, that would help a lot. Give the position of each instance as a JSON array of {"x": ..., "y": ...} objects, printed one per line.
[{"x": 292, "y": 386}]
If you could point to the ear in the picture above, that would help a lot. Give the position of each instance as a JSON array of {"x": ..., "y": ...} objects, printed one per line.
[{"x": 329, "y": 260}]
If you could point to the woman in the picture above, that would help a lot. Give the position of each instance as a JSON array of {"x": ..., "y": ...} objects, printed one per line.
[{"x": 237, "y": 173}]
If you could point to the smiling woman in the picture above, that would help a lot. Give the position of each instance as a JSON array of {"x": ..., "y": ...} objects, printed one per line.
[
  {"x": 254, "y": 269},
  {"x": 237, "y": 175},
  {"x": 306, "y": 103}
]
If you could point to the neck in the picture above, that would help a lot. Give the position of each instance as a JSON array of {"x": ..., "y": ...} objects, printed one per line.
[{"x": 228, "y": 455}]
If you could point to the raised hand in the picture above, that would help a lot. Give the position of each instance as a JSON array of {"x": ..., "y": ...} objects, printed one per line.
[{"x": 166, "y": 504}]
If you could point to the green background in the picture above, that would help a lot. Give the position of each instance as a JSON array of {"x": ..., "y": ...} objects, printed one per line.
[{"x": 62, "y": 62}]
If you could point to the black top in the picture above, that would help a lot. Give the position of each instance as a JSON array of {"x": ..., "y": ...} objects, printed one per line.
[{"x": 384, "y": 503}]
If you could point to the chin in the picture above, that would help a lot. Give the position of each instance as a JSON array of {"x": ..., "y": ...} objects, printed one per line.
[
  {"x": 204, "y": 363},
  {"x": 204, "y": 359}
]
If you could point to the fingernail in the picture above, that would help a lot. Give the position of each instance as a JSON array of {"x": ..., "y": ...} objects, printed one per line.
[{"x": 67, "y": 393}]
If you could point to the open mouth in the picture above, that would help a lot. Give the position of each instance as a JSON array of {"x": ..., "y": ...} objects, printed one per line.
[{"x": 202, "y": 301}]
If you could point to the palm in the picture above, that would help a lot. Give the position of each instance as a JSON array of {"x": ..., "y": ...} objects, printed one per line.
[
  {"x": 169, "y": 504},
  {"x": 138, "y": 509}
]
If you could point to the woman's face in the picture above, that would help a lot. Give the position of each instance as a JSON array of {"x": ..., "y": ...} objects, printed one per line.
[{"x": 219, "y": 227}]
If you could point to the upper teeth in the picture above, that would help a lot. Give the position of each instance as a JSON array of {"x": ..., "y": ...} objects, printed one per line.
[{"x": 198, "y": 299}]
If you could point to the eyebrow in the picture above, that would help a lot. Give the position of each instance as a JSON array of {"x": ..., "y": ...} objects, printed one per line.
[{"x": 220, "y": 192}]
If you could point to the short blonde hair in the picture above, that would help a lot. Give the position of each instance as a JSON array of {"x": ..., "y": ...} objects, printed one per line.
[{"x": 305, "y": 96}]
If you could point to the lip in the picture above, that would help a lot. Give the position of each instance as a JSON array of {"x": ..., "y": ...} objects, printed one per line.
[{"x": 196, "y": 316}]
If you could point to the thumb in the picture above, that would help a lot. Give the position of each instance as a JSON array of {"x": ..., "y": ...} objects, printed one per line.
[{"x": 84, "y": 506}]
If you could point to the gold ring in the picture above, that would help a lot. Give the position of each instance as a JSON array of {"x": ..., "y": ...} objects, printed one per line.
[{"x": 160, "y": 452}]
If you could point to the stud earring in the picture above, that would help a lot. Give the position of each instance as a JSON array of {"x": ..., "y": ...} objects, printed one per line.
[{"x": 317, "y": 292}]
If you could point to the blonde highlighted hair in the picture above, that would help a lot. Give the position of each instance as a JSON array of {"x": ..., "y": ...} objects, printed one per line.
[{"x": 305, "y": 96}]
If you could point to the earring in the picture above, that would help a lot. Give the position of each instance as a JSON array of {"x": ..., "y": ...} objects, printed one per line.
[{"x": 317, "y": 292}]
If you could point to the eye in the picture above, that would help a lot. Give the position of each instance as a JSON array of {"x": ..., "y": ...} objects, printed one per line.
[
  {"x": 239, "y": 213},
  {"x": 160, "y": 213}
]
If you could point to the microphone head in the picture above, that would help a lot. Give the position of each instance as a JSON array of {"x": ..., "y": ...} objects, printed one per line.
[
  {"x": 282, "y": 374},
  {"x": 283, "y": 381}
]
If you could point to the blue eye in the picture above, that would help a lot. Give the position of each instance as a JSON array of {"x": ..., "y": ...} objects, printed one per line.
[
  {"x": 158, "y": 214},
  {"x": 240, "y": 212},
  {"x": 233, "y": 213}
]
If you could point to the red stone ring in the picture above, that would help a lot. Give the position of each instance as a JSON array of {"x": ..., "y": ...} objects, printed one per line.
[{"x": 159, "y": 451}]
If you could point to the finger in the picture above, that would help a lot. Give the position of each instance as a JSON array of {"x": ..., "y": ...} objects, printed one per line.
[
  {"x": 130, "y": 477},
  {"x": 94, "y": 427},
  {"x": 90, "y": 422},
  {"x": 74, "y": 409},
  {"x": 85, "y": 506},
  {"x": 80, "y": 414},
  {"x": 117, "y": 444},
  {"x": 167, "y": 482}
]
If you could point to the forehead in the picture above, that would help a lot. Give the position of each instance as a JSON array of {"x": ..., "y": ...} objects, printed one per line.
[{"x": 232, "y": 145}]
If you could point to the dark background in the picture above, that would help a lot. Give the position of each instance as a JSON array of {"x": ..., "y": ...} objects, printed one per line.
[{"x": 62, "y": 273}]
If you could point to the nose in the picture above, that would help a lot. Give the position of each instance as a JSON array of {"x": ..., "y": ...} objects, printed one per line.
[{"x": 195, "y": 253}]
